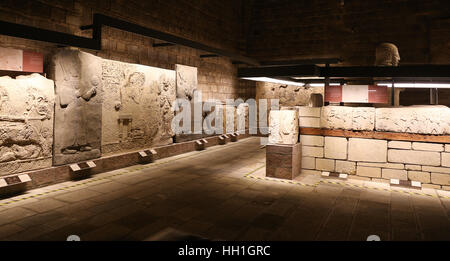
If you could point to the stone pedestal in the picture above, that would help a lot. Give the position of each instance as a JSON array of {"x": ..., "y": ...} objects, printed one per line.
[{"x": 283, "y": 161}]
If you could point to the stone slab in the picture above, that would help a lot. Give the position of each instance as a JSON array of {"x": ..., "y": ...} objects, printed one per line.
[
  {"x": 310, "y": 151},
  {"x": 347, "y": 167},
  {"x": 415, "y": 157},
  {"x": 284, "y": 166},
  {"x": 422, "y": 176},
  {"x": 309, "y": 122},
  {"x": 445, "y": 159},
  {"x": 308, "y": 162},
  {"x": 427, "y": 146},
  {"x": 440, "y": 179},
  {"x": 369, "y": 150},
  {"x": 325, "y": 164},
  {"x": 394, "y": 174},
  {"x": 406, "y": 145},
  {"x": 335, "y": 148},
  {"x": 311, "y": 140},
  {"x": 368, "y": 172}
]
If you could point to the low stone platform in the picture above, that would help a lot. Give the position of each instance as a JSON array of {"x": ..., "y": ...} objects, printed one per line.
[{"x": 283, "y": 161}]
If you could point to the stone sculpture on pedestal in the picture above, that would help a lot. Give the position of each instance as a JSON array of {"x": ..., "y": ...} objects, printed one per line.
[{"x": 283, "y": 127}]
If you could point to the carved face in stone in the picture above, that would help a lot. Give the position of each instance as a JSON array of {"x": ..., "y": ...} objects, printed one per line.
[
  {"x": 387, "y": 55},
  {"x": 38, "y": 103}
]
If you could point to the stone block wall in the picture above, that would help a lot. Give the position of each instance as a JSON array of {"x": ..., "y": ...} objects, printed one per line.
[
  {"x": 378, "y": 160},
  {"x": 196, "y": 20}
]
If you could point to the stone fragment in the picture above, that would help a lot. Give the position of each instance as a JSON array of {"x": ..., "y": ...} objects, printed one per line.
[
  {"x": 26, "y": 123},
  {"x": 346, "y": 167},
  {"x": 325, "y": 164},
  {"x": 335, "y": 148},
  {"x": 369, "y": 150},
  {"x": 337, "y": 117},
  {"x": 399, "y": 145},
  {"x": 312, "y": 151},
  {"x": 421, "y": 176},
  {"x": 415, "y": 157},
  {"x": 368, "y": 172},
  {"x": 363, "y": 118},
  {"x": 283, "y": 127},
  {"x": 394, "y": 174},
  {"x": 186, "y": 81},
  {"x": 311, "y": 140},
  {"x": 427, "y": 146}
]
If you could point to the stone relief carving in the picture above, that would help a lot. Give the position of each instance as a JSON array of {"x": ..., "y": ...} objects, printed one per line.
[
  {"x": 26, "y": 123},
  {"x": 78, "y": 110},
  {"x": 414, "y": 119},
  {"x": 288, "y": 95},
  {"x": 186, "y": 81},
  {"x": 137, "y": 106},
  {"x": 283, "y": 127}
]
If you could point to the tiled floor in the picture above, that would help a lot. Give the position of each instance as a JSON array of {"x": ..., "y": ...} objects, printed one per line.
[{"x": 208, "y": 194}]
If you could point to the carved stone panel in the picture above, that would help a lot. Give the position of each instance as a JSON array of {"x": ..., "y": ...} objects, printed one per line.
[
  {"x": 26, "y": 123},
  {"x": 414, "y": 119},
  {"x": 78, "y": 109},
  {"x": 137, "y": 106},
  {"x": 186, "y": 79},
  {"x": 283, "y": 127}
]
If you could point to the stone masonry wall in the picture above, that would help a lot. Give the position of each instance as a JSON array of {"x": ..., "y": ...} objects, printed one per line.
[
  {"x": 376, "y": 159},
  {"x": 211, "y": 22}
]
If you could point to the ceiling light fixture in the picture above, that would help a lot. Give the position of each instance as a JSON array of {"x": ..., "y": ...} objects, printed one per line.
[
  {"x": 416, "y": 85},
  {"x": 272, "y": 80}
]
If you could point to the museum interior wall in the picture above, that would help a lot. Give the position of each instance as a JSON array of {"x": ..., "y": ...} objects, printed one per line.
[{"x": 348, "y": 29}]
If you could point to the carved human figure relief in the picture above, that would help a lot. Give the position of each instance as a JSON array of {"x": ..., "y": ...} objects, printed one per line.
[
  {"x": 78, "y": 108},
  {"x": 283, "y": 127}
]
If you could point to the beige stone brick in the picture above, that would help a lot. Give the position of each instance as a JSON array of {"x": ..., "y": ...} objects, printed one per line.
[
  {"x": 382, "y": 165},
  {"x": 309, "y": 111},
  {"x": 436, "y": 169},
  {"x": 445, "y": 159},
  {"x": 308, "y": 151},
  {"x": 422, "y": 176},
  {"x": 311, "y": 172},
  {"x": 394, "y": 174},
  {"x": 447, "y": 188},
  {"x": 413, "y": 167},
  {"x": 347, "y": 167},
  {"x": 311, "y": 140},
  {"x": 447, "y": 147},
  {"x": 427, "y": 146},
  {"x": 309, "y": 122},
  {"x": 431, "y": 186},
  {"x": 441, "y": 179},
  {"x": 325, "y": 164},
  {"x": 335, "y": 148},
  {"x": 368, "y": 172},
  {"x": 369, "y": 150},
  {"x": 308, "y": 162},
  {"x": 399, "y": 145},
  {"x": 415, "y": 157}
]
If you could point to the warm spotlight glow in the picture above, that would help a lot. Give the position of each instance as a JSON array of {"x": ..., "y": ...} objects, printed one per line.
[
  {"x": 272, "y": 80},
  {"x": 416, "y": 85},
  {"x": 323, "y": 84}
]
